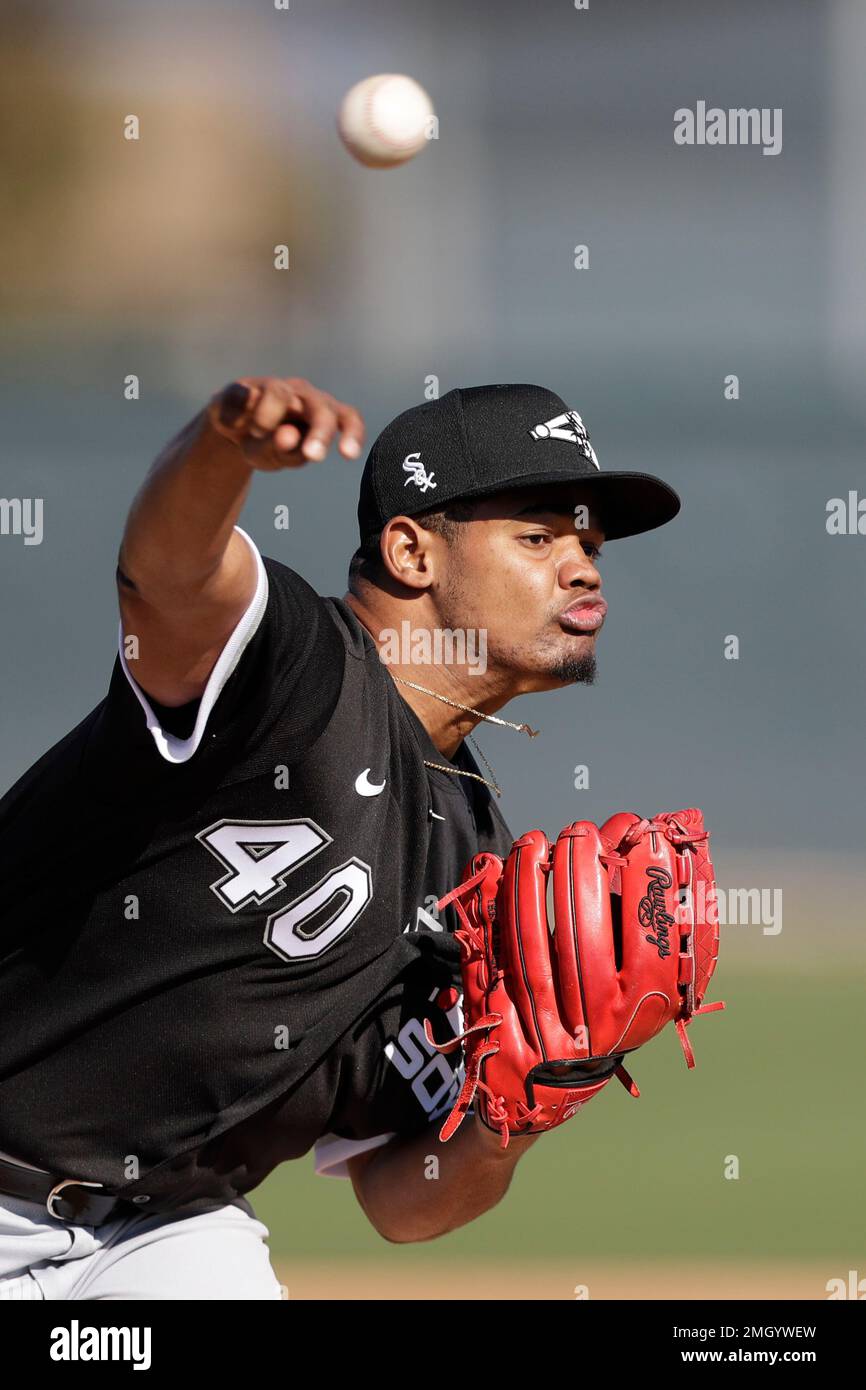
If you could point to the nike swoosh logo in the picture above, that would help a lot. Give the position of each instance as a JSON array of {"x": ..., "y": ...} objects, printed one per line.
[{"x": 364, "y": 787}]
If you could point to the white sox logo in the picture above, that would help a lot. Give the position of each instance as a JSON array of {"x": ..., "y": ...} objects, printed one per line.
[
  {"x": 570, "y": 428},
  {"x": 434, "y": 1084},
  {"x": 417, "y": 472}
]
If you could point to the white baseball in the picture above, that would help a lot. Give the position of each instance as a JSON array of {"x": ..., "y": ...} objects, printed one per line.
[{"x": 384, "y": 120}]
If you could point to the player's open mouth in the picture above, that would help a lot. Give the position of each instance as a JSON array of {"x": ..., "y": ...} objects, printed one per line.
[{"x": 584, "y": 617}]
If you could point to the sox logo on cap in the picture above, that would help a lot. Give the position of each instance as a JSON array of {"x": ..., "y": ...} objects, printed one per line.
[
  {"x": 571, "y": 428},
  {"x": 417, "y": 472}
]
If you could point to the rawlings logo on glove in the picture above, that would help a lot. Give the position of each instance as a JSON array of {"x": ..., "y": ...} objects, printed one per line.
[{"x": 551, "y": 1011}]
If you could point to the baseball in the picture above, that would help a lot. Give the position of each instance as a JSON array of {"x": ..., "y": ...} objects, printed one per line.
[{"x": 384, "y": 120}]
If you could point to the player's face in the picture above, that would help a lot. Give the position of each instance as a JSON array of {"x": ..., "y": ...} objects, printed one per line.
[{"x": 527, "y": 575}]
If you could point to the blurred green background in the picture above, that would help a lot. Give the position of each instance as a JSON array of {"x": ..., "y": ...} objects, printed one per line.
[{"x": 777, "y": 1083}]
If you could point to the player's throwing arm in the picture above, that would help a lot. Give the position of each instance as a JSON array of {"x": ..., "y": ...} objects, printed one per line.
[{"x": 185, "y": 576}]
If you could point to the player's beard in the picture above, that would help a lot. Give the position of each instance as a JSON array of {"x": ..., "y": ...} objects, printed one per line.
[
  {"x": 580, "y": 668},
  {"x": 566, "y": 668}
]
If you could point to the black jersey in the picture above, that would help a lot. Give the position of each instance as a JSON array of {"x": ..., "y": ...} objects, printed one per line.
[{"x": 218, "y": 937}]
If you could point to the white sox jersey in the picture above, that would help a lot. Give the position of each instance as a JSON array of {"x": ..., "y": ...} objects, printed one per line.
[{"x": 217, "y": 941}]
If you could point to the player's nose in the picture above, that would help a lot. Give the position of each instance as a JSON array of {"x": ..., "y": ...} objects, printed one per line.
[{"x": 578, "y": 570}]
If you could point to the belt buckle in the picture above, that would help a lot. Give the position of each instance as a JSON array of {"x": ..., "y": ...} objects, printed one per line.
[{"x": 56, "y": 1191}]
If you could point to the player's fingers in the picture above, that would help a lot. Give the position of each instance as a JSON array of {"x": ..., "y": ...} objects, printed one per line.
[
  {"x": 233, "y": 403},
  {"x": 352, "y": 428},
  {"x": 322, "y": 418},
  {"x": 275, "y": 401},
  {"x": 236, "y": 403},
  {"x": 287, "y": 438},
  {"x": 260, "y": 410}
]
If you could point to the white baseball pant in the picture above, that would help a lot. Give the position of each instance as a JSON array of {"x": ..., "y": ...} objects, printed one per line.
[{"x": 220, "y": 1254}]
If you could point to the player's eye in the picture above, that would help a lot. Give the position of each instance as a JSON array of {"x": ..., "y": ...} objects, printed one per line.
[
  {"x": 536, "y": 536},
  {"x": 594, "y": 552}
]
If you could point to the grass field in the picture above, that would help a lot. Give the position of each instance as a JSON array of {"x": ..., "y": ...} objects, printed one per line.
[{"x": 631, "y": 1198}]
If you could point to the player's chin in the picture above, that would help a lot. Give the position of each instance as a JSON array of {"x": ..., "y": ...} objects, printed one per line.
[
  {"x": 579, "y": 645},
  {"x": 574, "y": 661}
]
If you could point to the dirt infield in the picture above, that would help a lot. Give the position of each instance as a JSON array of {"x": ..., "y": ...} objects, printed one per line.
[{"x": 554, "y": 1281}]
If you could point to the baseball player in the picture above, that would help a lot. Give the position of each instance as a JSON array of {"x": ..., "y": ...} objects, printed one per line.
[{"x": 221, "y": 946}]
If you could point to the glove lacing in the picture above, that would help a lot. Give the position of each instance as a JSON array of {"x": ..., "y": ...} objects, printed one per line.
[{"x": 472, "y": 943}]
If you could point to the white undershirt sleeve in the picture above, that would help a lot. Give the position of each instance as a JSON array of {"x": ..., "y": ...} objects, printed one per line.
[
  {"x": 331, "y": 1152},
  {"x": 180, "y": 750}
]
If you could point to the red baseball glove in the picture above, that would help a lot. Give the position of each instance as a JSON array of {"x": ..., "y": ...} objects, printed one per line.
[{"x": 551, "y": 1010}]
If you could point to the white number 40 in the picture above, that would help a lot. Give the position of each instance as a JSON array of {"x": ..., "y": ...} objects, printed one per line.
[{"x": 260, "y": 856}]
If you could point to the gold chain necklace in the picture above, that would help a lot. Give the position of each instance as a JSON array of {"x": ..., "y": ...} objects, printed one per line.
[
  {"x": 492, "y": 718},
  {"x": 460, "y": 772}
]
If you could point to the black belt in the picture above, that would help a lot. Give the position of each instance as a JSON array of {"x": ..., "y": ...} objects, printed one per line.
[{"x": 72, "y": 1200}]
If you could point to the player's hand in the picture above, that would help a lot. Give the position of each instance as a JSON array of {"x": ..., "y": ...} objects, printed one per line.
[{"x": 284, "y": 422}]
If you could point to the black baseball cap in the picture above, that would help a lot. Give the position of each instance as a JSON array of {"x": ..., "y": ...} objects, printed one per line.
[{"x": 476, "y": 440}]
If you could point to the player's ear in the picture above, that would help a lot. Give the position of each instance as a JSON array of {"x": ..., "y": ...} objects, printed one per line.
[{"x": 407, "y": 552}]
